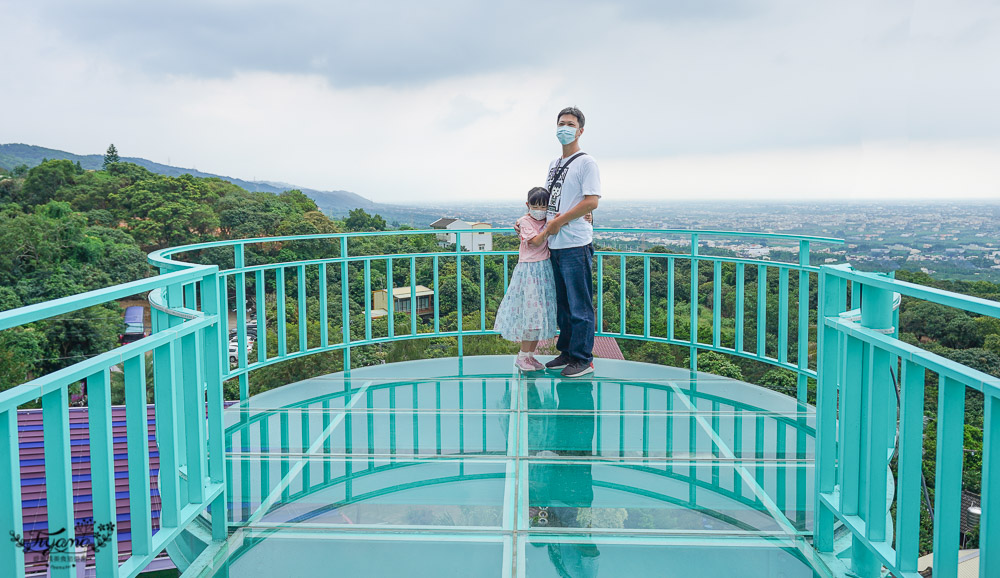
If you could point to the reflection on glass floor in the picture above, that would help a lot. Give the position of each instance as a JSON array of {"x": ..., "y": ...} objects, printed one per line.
[{"x": 474, "y": 470}]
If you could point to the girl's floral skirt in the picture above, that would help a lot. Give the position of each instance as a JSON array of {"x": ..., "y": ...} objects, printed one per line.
[{"x": 528, "y": 310}]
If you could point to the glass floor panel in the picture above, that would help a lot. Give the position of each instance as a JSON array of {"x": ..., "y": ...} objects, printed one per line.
[{"x": 476, "y": 470}]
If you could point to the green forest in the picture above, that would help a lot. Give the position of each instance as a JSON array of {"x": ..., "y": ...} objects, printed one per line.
[{"x": 65, "y": 230}]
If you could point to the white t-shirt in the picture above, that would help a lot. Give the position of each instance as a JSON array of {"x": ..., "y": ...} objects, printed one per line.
[{"x": 581, "y": 178}]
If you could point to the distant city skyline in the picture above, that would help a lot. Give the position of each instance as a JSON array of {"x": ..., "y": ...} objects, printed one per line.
[{"x": 721, "y": 99}]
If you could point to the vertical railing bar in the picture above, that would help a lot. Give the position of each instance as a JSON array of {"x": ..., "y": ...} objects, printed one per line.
[
  {"x": 413, "y": 296},
  {"x": 948, "y": 475},
  {"x": 241, "y": 306},
  {"x": 102, "y": 459},
  {"x": 802, "y": 350},
  {"x": 693, "y": 358},
  {"x": 165, "y": 381},
  {"x": 761, "y": 310},
  {"x": 600, "y": 292},
  {"x": 279, "y": 278},
  {"x": 12, "y": 558},
  {"x": 261, "y": 315},
  {"x": 345, "y": 305},
  {"x": 505, "y": 273},
  {"x": 137, "y": 439},
  {"x": 878, "y": 382},
  {"x": 59, "y": 469},
  {"x": 740, "y": 303},
  {"x": 670, "y": 298},
  {"x": 911, "y": 435},
  {"x": 621, "y": 295},
  {"x": 324, "y": 313},
  {"x": 458, "y": 291},
  {"x": 194, "y": 411},
  {"x": 368, "y": 299},
  {"x": 390, "y": 298},
  {"x": 437, "y": 292},
  {"x": 850, "y": 437},
  {"x": 989, "y": 523},
  {"x": 645, "y": 296},
  {"x": 782, "y": 314},
  {"x": 212, "y": 366},
  {"x": 482, "y": 292},
  {"x": 302, "y": 315},
  {"x": 717, "y": 304}
]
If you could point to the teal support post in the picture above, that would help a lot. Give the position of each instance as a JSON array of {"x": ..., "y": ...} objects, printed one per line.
[
  {"x": 212, "y": 365},
  {"x": 194, "y": 413},
  {"x": 783, "y": 315},
  {"x": 600, "y": 293},
  {"x": 102, "y": 465},
  {"x": 390, "y": 299},
  {"x": 368, "y": 298},
  {"x": 58, "y": 470},
  {"x": 437, "y": 294},
  {"x": 989, "y": 524},
  {"x": 645, "y": 297},
  {"x": 165, "y": 381},
  {"x": 345, "y": 304},
  {"x": 458, "y": 289},
  {"x": 948, "y": 475},
  {"x": 241, "y": 319},
  {"x": 137, "y": 435},
  {"x": 12, "y": 558},
  {"x": 482, "y": 296},
  {"x": 279, "y": 281},
  {"x": 802, "y": 350},
  {"x": 740, "y": 313},
  {"x": 761, "y": 311},
  {"x": 260, "y": 310},
  {"x": 324, "y": 313},
  {"x": 693, "y": 333},
  {"x": 717, "y": 304},
  {"x": 908, "y": 485},
  {"x": 670, "y": 298},
  {"x": 622, "y": 297},
  {"x": 302, "y": 317},
  {"x": 876, "y": 314}
]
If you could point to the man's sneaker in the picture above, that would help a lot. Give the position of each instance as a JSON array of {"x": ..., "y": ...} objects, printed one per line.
[
  {"x": 535, "y": 363},
  {"x": 578, "y": 368},
  {"x": 524, "y": 364},
  {"x": 560, "y": 362}
]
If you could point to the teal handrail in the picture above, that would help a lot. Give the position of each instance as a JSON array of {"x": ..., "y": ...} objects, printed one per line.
[
  {"x": 855, "y": 410},
  {"x": 190, "y": 359}
]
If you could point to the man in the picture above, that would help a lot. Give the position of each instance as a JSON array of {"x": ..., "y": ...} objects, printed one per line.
[{"x": 574, "y": 185}]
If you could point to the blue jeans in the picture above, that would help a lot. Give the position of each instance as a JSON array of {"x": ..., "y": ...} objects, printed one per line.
[{"x": 573, "y": 268}]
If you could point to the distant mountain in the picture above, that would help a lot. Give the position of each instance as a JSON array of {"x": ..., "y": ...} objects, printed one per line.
[{"x": 330, "y": 202}]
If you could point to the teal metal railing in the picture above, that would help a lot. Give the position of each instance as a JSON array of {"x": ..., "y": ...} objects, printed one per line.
[
  {"x": 773, "y": 341},
  {"x": 859, "y": 360},
  {"x": 184, "y": 364},
  {"x": 188, "y": 355}
]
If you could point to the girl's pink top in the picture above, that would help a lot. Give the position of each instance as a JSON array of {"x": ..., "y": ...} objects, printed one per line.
[{"x": 526, "y": 252}]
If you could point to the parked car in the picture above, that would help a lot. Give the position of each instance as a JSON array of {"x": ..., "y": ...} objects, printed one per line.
[
  {"x": 234, "y": 349},
  {"x": 135, "y": 325}
]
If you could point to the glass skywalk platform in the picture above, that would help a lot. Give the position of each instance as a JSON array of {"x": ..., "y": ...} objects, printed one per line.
[{"x": 464, "y": 467}]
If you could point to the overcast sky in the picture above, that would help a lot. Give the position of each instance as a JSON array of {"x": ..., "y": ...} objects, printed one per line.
[{"x": 402, "y": 101}]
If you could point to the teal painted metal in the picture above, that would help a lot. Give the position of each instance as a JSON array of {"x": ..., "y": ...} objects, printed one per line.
[
  {"x": 694, "y": 301},
  {"x": 989, "y": 524},
  {"x": 58, "y": 469},
  {"x": 621, "y": 295},
  {"x": 345, "y": 308},
  {"x": 259, "y": 290},
  {"x": 324, "y": 313},
  {"x": 600, "y": 293},
  {"x": 281, "y": 314},
  {"x": 869, "y": 350},
  {"x": 300, "y": 319},
  {"x": 180, "y": 328},
  {"x": 717, "y": 304},
  {"x": 12, "y": 559}
]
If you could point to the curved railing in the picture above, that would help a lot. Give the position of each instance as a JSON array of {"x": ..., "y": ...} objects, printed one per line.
[
  {"x": 782, "y": 335},
  {"x": 188, "y": 350},
  {"x": 860, "y": 359}
]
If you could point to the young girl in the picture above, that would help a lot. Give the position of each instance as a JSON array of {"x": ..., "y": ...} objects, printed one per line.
[{"x": 528, "y": 310}]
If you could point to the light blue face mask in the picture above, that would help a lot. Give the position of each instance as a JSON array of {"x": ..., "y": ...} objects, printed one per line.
[{"x": 566, "y": 134}]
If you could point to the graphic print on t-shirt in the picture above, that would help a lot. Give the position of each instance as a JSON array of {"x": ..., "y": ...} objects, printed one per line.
[{"x": 555, "y": 188}]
